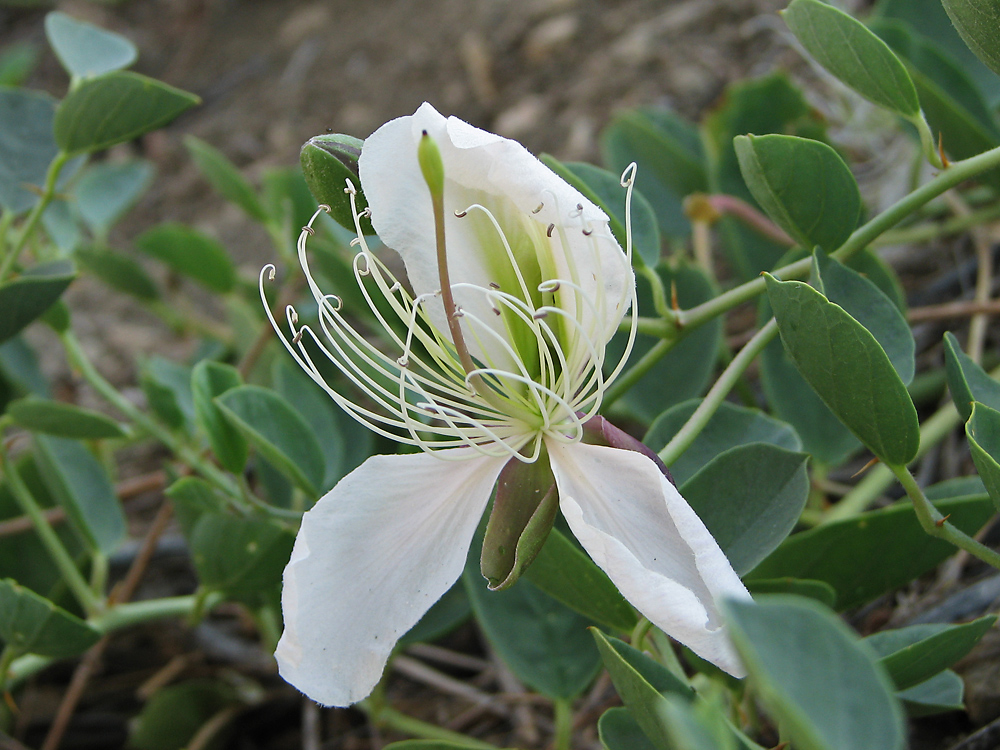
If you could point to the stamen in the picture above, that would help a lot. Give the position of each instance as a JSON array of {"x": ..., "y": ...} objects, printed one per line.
[
  {"x": 461, "y": 214},
  {"x": 538, "y": 208},
  {"x": 297, "y": 337},
  {"x": 309, "y": 229},
  {"x": 552, "y": 285},
  {"x": 494, "y": 285},
  {"x": 587, "y": 232},
  {"x": 548, "y": 232}
]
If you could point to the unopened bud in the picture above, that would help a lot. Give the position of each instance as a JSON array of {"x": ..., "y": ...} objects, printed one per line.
[{"x": 327, "y": 162}]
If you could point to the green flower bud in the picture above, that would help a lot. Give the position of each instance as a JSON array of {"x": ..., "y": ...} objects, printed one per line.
[{"x": 328, "y": 161}]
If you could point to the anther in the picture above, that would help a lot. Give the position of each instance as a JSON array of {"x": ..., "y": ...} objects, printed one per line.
[
  {"x": 395, "y": 287},
  {"x": 496, "y": 310},
  {"x": 494, "y": 285},
  {"x": 548, "y": 232},
  {"x": 587, "y": 232},
  {"x": 403, "y": 361},
  {"x": 350, "y": 189},
  {"x": 539, "y": 315},
  {"x": 459, "y": 313},
  {"x": 355, "y": 242},
  {"x": 539, "y": 208},
  {"x": 270, "y": 274},
  {"x": 461, "y": 214},
  {"x": 297, "y": 337},
  {"x": 309, "y": 230},
  {"x": 324, "y": 208},
  {"x": 367, "y": 213},
  {"x": 294, "y": 315}
]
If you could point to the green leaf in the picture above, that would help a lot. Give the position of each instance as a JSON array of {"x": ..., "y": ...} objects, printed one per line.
[
  {"x": 818, "y": 590},
  {"x": 871, "y": 307},
  {"x": 277, "y": 430},
  {"x": 86, "y": 50},
  {"x": 952, "y": 104},
  {"x": 344, "y": 442},
  {"x": 866, "y": 556},
  {"x": 114, "y": 108},
  {"x": 167, "y": 386},
  {"x": 686, "y": 369},
  {"x": 19, "y": 367},
  {"x": 803, "y": 185},
  {"x": 193, "y": 498},
  {"x": 846, "y": 48},
  {"x": 604, "y": 189},
  {"x": 328, "y": 161},
  {"x": 106, "y": 191},
  {"x": 750, "y": 498},
  {"x": 174, "y": 714},
  {"x": 729, "y": 427},
  {"x": 208, "y": 380},
  {"x": 190, "y": 253},
  {"x": 938, "y": 695},
  {"x": 17, "y": 61},
  {"x": 565, "y": 573},
  {"x": 63, "y": 420},
  {"x": 431, "y": 745},
  {"x": 544, "y": 643},
  {"x": 847, "y": 368},
  {"x": 225, "y": 177},
  {"x": 62, "y": 226},
  {"x": 983, "y": 431},
  {"x": 84, "y": 490},
  {"x": 967, "y": 381},
  {"x": 288, "y": 202},
  {"x": 977, "y": 22},
  {"x": 448, "y": 612},
  {"x": 118, "y": 271},
  {"x": 929, "y": 19},
  {"x": 816, "y": 677},
  {"x": 914, "y": 654},
  {"x": 27, "y": 146},
  {"x": 642, "y": 683},
  {"x": 31, "y": 624},
  {"x": 771, "y": 104},
  {"x": 619, "y": 731},
  {"x": 32, "y": 293},
  {"x": 242, "y": 557}
]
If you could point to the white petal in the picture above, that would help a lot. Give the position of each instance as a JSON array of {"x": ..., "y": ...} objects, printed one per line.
[
  {"x": 370, "y": 558},
  {"x": 644, "y": 535},
  {"x": 501, "y": 174}
]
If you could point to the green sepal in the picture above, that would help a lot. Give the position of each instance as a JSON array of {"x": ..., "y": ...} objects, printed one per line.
[
  {"x": 522, "y": 516},
  {"x": 328, "y": 161}
]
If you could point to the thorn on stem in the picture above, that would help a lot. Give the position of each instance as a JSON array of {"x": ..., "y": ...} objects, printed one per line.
[
  {"x": 944, "y": 159},
  {"x": 865, "y": 468},
  {"x": 674, "y": 304},
  {"x": 941, "y": 521}
]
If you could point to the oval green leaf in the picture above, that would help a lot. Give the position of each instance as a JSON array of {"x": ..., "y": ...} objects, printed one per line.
[
  {"x": 84, "y": 490},
  {"x": 190, "y": 253},
  {"x": 208, "y": 380},
  {"x": 32, "y": 293},
  {"x": 565, "y": 573},
  {"x": 914, "y": 654},
  {"x": 225, "y": 177},
  {"x": 277, "y": 430},
  {"x": 983, "y": 431},
  {"x": 847, "y": 368},
  {"x": 871, "y": 307},
  {"x": 63, "y": 420},
  {"x": 106, "y": 191},
  {"x": 803, "y": 185},
  {"x": 871, "y": 554},
  {"x": 942, "y": 693},
  {"x": 852, "y": 53},
  {"x": 27, "y": 146},
  {"x": 118, "y": 271},
  {"x": 729, "y": 427},
  {"x": 977, "y": 22},
  {"x": 816, "y": 677},
  {"x": 114, "y": 108},
  {"x": 31, "y": 624},
  {"x": 619, "y": 731},
  {"x": 86, "y": 50},
  {"x": 967, "y": 381},
  {"x": 750, "y": 498}
]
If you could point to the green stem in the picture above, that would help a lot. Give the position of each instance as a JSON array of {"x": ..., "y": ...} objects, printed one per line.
[
  {"x": 710, "y": 404},
  {"x": 927, "y": 144},
  {"x": 6, "y": 220},
  {"x": 90, "y": 602},
  {"x": 564, "y": 725},
  {"x": 935, "y": 524},
  {"x": 6, "y": 659},
  {"x": 935, "y": 230},
  {"x": 393, "y": 719},
  {"x": 48, "y": 192},
  {"x": 216, "y": 476}
]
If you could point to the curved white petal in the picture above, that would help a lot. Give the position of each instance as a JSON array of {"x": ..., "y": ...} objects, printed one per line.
[
  {"x": 370, "y": 558},
  {"x": 644, "y": 535},
  {"x": 502, "y": 175}
]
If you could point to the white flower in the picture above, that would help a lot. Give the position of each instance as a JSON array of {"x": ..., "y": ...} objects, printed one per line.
[{"x": 539, "y": 287}]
